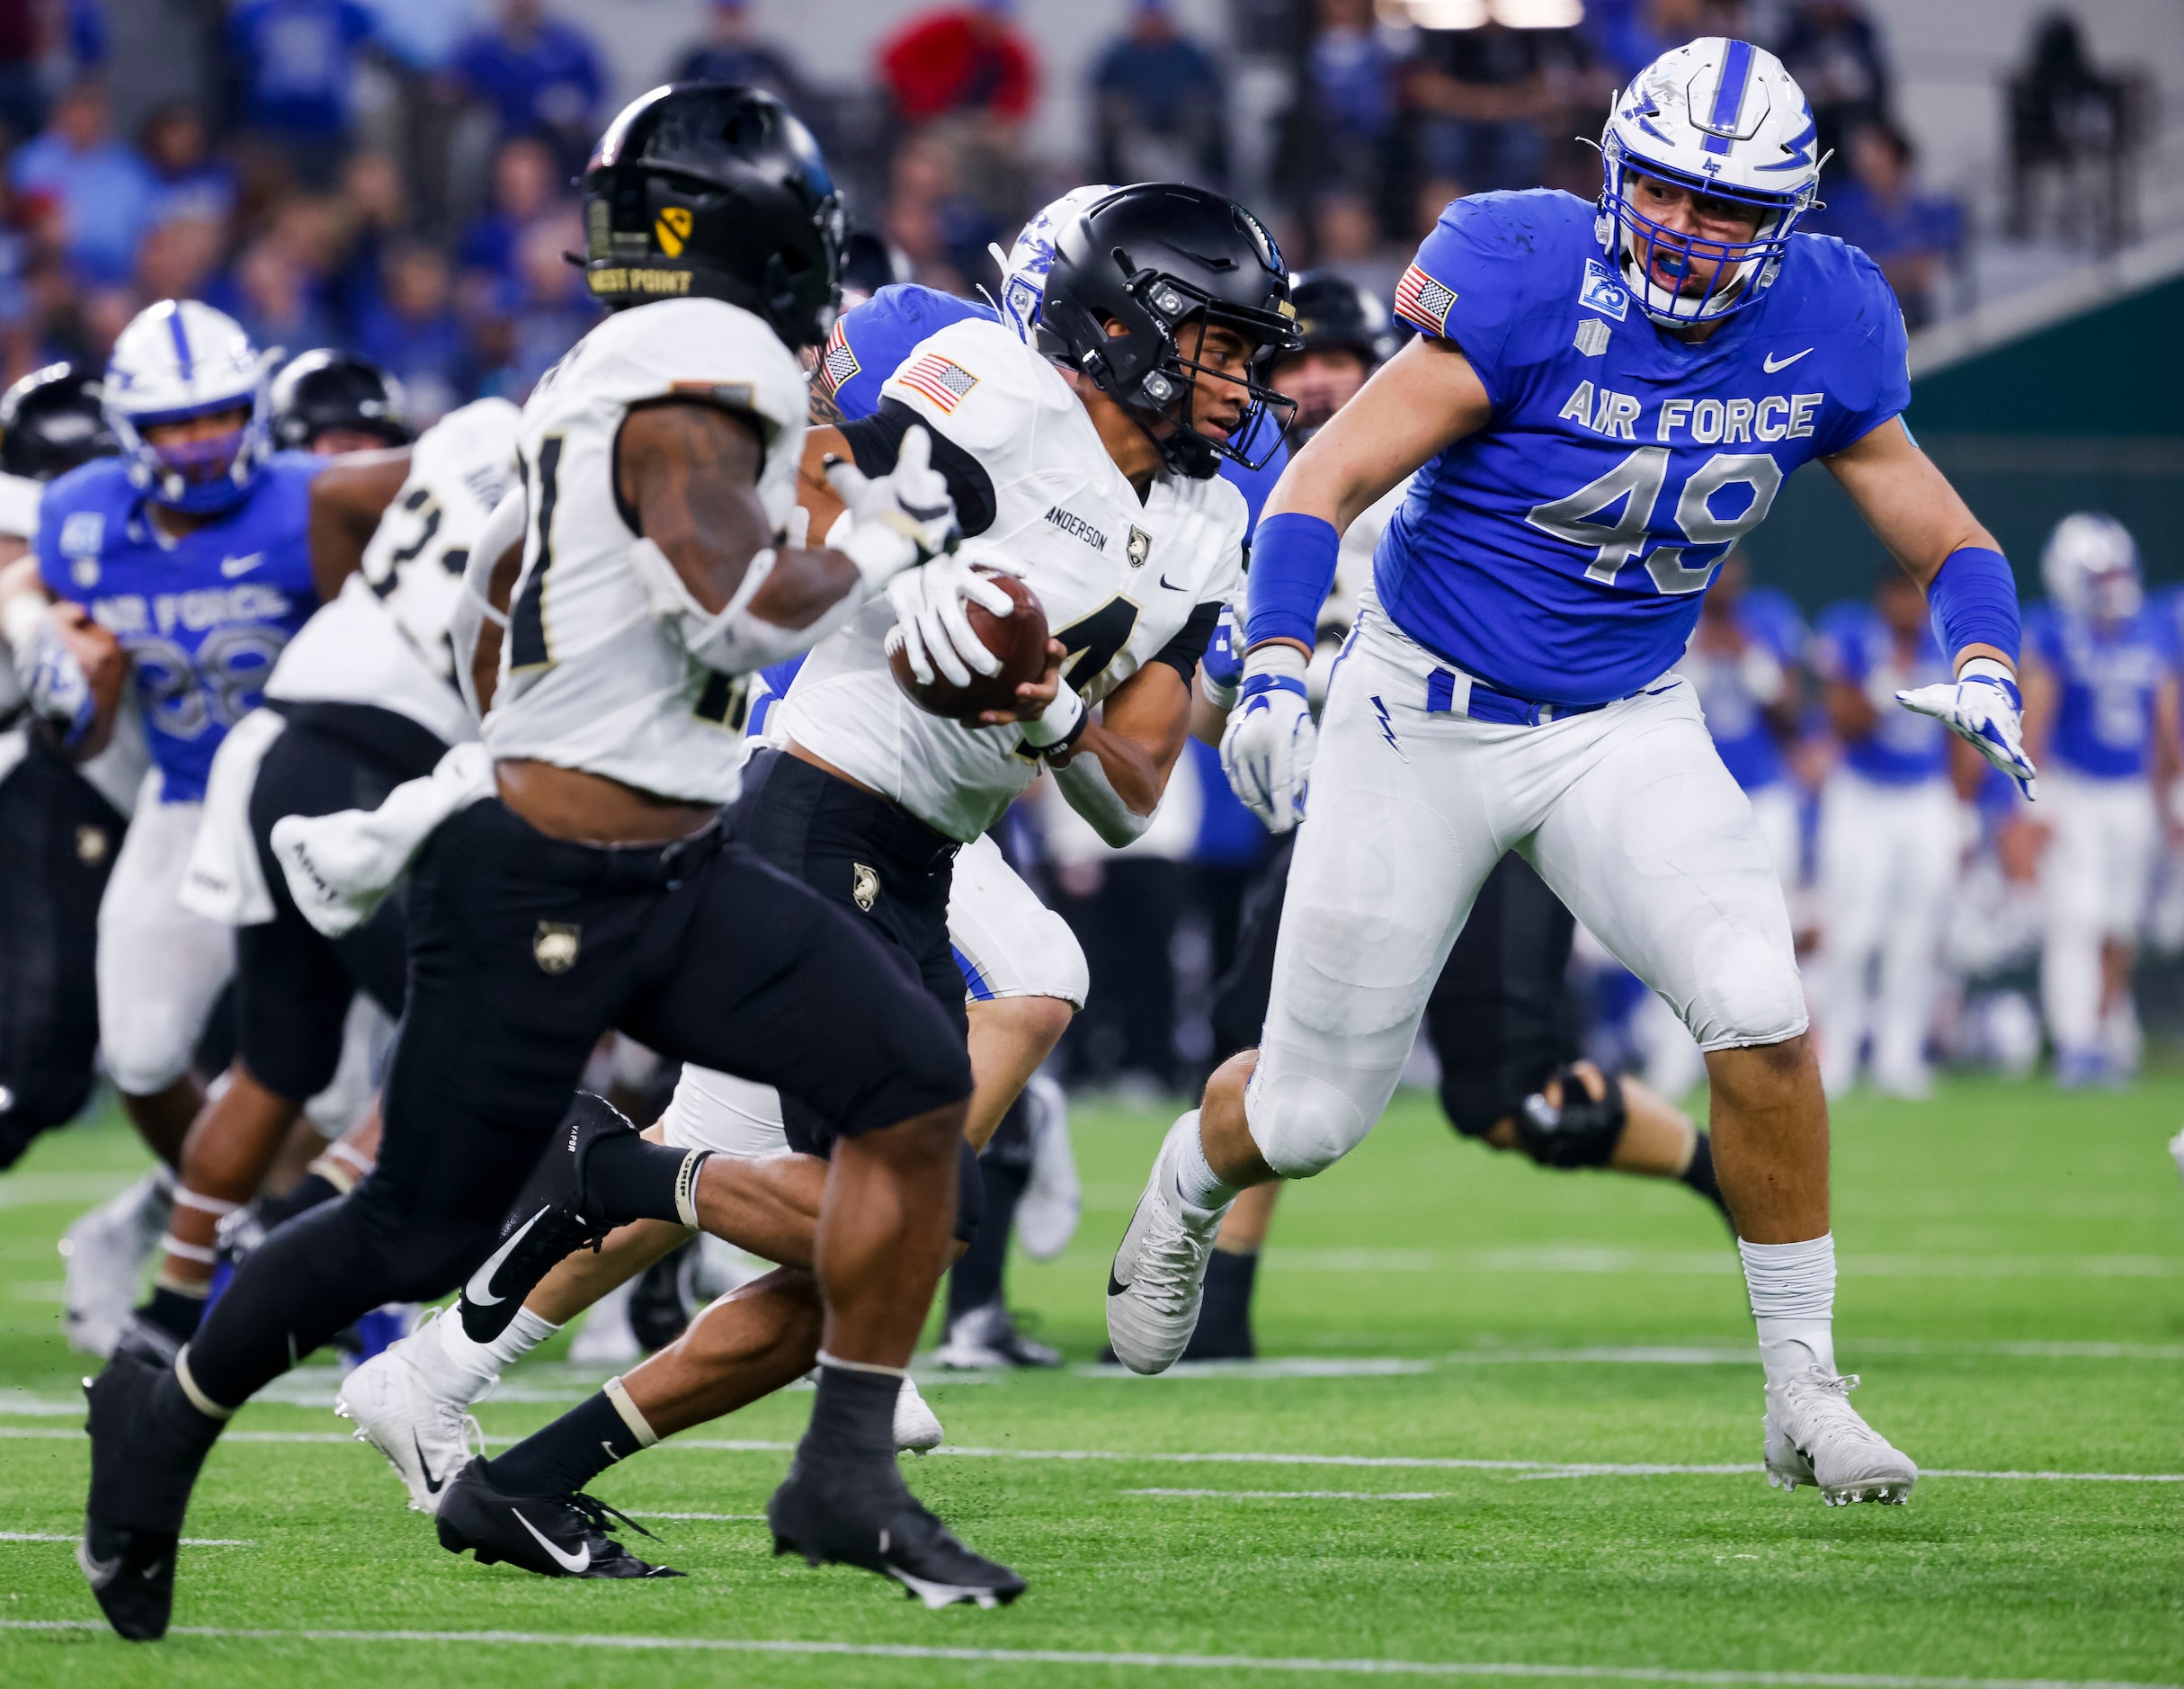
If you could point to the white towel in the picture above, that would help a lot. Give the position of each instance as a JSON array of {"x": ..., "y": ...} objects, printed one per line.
[
  {"x": 341, "y": 866},
  {"x": 225, "y": 881}
]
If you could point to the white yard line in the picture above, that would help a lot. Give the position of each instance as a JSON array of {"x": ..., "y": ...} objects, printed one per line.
[
  {"x": 1297, "y": 1494},
  {"x": 1111, "y": 1660},
  {"x": 187, "y": 1542},
  {"x": 759, "y": 1516}
]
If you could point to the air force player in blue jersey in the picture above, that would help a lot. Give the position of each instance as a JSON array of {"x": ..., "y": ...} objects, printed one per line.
[
  {"x": 2101, "y": 692},
  {"x": 1603, "y": 399},
  {"x": 190, "y": 550}
]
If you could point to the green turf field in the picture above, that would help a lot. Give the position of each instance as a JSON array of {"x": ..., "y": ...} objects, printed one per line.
[{"x": 1432, "y": 1478}]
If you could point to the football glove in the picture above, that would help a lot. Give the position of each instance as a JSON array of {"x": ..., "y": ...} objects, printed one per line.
[
  {"x": 936, "y": 633},
  {"x": 54, "y": 683},
  {"x": 1223, "y": 663},
  {"x": 1983, "y": 705},
  {"x": 1266, "y": 751},
  {"x": 900, "y": 519}
]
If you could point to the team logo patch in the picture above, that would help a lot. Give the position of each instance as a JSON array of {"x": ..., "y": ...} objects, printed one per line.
[
  {"x": 1592, "y": 336},
  {"x": 1603, "y": 292},
  {"x": 840, "y": 364},
  {"x": 1422, "y": 300},
  {"x": 672, "y": 228},
  {"x": 941, "y": 380},
  {"x": 864, "y": 886},
  {"x": 554, "y": 945},
  {"x": 92, "y": 845},
  {"x": 83, "y": 533},
  {"x": 1140, "y": 549}
]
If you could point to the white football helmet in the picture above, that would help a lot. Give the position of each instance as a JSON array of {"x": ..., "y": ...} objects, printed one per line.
[
  {"x": 2090, "y": 567},
  {"x": 177, "y": 359},
  {"x": 1023, "y": 269},
  {"x": 1721, "y": 118}
]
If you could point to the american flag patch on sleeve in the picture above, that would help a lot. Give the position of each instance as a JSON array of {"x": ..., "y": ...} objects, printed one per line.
[
  {"x": 840, "y": 364},
  {"x": 1422, "y": 300},
  {"x": 941, "y": 380}
]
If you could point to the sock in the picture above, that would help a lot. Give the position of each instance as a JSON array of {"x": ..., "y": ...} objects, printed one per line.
[
  {"x": 854, "y": 1415},
  {"x": 1195, "y": 1182},
  {"x": 636, "y": 1180},
  {"x": 175, "y": 1309},
  {"x": 1699, "y": 1175},
  {"x": 463, "y": 1371},
  {"x": 310, "y": 1190},
  {"x": 1793, "y": 1301},
  {"x": 975, "y": 1281},
  {"x": 574, "y": 1450},
  {"x": 1225, "y": 1319}
]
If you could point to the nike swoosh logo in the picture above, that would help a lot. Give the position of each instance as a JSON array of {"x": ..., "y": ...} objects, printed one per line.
[
  {"x": 100, "y": 1573},
  {"x": 574, "y": 1565},
  {"x": 1769, "y": 364},
  {"x": 1115, "y": 1286},
  {"x": 431, "y": 1484},
  {"x": 232, "y": 567},
  {"x": 1174, "y": 586},
  {"x": 479, "y": 1290}
]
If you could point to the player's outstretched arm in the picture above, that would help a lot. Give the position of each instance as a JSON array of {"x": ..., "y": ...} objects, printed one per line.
[
  {"x": 347, "y": 500},
  {"x": 1916, "y": 514}
]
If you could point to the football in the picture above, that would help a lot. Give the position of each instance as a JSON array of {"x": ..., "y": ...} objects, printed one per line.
[{"x": 1017, "y": 638}]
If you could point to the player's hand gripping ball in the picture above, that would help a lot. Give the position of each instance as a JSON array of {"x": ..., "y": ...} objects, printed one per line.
[{"x": 925, "y": 652}]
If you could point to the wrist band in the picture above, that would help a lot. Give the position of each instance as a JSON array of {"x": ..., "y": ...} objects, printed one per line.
[
  {"x": 1972, "y": 599},
  {"x": 1293, "y": 558}
]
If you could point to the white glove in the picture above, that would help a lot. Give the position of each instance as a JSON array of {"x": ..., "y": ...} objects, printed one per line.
[
  {"x": 1983, "y": 705},
  {"x": 53, "y": 681},
  {"x": 1266, "y": 751},
  {"x": 900, "y": 520},
  {"x": 929, "y": 616}
]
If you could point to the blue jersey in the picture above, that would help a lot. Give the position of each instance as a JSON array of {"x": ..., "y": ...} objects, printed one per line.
[
  {"x": 1256, "y": 484},
  {"x": 202, "y": 617},
  {"x": 1767, "y": 619},
  {"x": 1558, "y": 553},
  {"x": 1853, "y": 645},
  {"x": 873, "y": 340},
  {"x": 2105, "y": 679}
]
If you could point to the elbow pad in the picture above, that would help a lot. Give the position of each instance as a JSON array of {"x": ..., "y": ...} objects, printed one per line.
[{"x": 731, "y": 640}]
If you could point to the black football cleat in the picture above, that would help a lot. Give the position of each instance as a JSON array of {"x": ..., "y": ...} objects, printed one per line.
[
  {"x": 865, "y": 1515},
  {"x": 555, "y": 1536},
  {"x": 554, "y": 1216},
  {"x": 146, "y": 1452}
]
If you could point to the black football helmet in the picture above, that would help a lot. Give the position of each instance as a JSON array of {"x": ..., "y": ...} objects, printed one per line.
[
  {"x": 1155, "y": 258},
  {"x": 705, "y": 189},
  {"x": 1334, "y": 314},
  {"x": 52, "y": 421},
  {"x": 326, "y": 389}
]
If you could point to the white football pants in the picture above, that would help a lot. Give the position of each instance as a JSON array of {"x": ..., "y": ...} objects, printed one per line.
[
  {"x": 2094, "y": 882},
  {"x": 1888, "y": 858},
  {"x": 1629, "y": 816}
]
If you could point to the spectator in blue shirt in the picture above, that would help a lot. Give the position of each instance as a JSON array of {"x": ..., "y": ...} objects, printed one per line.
[
  {"x": 97, "y": 188},
  {"x": 1158, "y": 103},
  {"x": 525, "y": 179},
  {"x": 734, "y": 51},
  {"x": 1912, "y": 236},
  {"x": 192, "y": 186},
  {"x": 414, "y": 332},
  {"x": 293, "y": 62},
  {"x": 538, "y": 74}
]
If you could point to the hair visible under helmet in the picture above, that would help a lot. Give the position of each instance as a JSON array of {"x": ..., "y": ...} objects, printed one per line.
[
  {"x": 177, "y": 360},
  {"x": 2090, "y": 567},
  {"x": 704, "y": 190},
  {"x": 1723, "y": 119}
]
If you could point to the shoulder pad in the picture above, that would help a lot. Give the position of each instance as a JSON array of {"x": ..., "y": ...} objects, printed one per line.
[
  {"x": 978, "y": 384},
  {"x": 1488, "y": 259},
  {"x": 871, "y": 341},
  {"x": 705, "y": 350}
]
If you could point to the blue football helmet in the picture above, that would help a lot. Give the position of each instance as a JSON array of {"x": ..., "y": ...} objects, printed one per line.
[{"x": 177, "y": 360}]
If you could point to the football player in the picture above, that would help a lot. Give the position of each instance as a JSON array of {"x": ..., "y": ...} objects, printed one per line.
[
  {"x": 2100, "y": 707},
  {"x": 571, "y": 873},
  {"x": 1888, "y": 842},
  {"x": 1087, "y": 462},
  {"x": 332, "y": 402},
  {"x": 1603, "y": 399},
  {"x": 181, "y": 565}
]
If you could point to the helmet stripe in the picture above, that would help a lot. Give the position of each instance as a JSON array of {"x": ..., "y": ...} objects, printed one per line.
[
  {"x": 182, "y": 344},
  {"x": 1729, "y": 96}
]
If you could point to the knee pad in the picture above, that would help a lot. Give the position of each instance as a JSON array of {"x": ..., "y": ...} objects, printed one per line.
[
  {"x": 1303, "y": 1125},
  {"x": 1754, "y": 997},
  {"x": 1579, "y": 1133}
]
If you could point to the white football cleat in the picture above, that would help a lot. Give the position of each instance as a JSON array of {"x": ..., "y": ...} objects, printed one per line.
[
  {"x": 106, "y": 1252},
  {"x": 917, "y": 1428},
  {"x": 1047, "y": 1213},
  {"x": 2176, "y": 1152},
  {"x": 1814, "y": 1436},
  {"x": 425, "y": 1437},
  {"x": 1158, "y": 1279}
]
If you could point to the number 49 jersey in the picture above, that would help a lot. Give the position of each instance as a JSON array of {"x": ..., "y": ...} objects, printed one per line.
[
  {"x": 1559, "y": 553},
  {"x": 1124, "y": 582}
]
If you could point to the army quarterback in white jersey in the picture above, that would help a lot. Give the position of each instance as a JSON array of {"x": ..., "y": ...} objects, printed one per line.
[{"x": 566, "y": 880}]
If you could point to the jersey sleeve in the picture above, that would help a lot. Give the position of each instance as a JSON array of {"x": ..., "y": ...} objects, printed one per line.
[
  {"x": 979, "y": 385},
  {"x": 1463, "y": 285},
  {"x": 694, "y": 349},
  {"x": 1872, "y": 379},
  {"x": 872, "y": 340}
]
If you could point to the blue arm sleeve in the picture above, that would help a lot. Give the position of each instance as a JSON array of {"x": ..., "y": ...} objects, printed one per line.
[
  {"x": 1974, "y": 602},
  {"x": 1293, "y": 560}
]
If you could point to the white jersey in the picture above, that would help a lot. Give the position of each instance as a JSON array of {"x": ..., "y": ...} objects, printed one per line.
[
  {"x": 1118, "y": 579},
  {"x": 383, "y": 639},
  {"x": 591, "y": 676}
]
